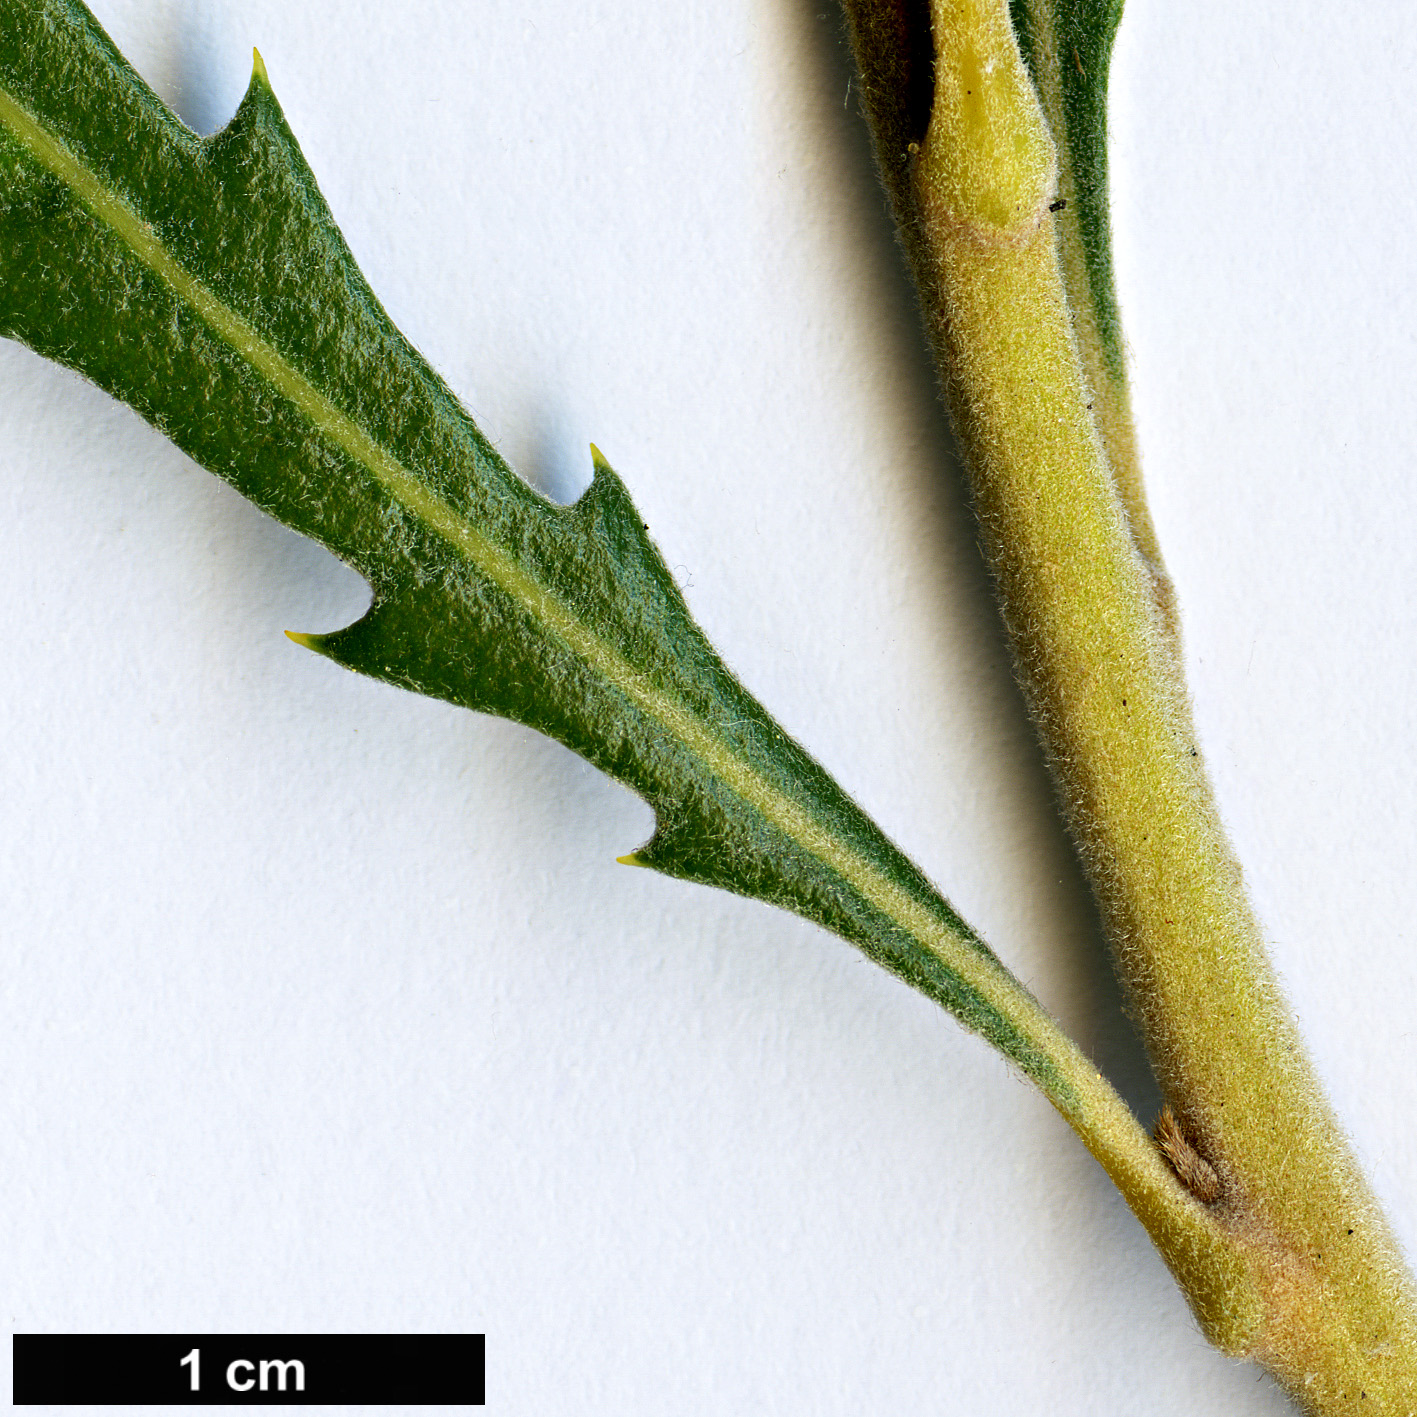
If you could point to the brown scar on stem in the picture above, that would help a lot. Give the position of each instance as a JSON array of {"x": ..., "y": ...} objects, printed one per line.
[{"x": 1195, "y": 1173}]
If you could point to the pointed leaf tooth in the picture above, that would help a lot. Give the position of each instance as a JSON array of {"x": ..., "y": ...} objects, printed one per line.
[{"x": 205, "y": 283}]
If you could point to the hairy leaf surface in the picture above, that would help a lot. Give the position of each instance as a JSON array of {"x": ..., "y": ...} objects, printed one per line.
[{"x": 202, "y": 281}]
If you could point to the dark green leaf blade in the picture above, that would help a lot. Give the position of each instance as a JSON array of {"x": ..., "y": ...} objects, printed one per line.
[{"x": 203, "y": 282}]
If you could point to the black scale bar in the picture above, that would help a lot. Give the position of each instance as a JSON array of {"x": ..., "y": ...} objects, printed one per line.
[{"x": 245, "y": 1370}]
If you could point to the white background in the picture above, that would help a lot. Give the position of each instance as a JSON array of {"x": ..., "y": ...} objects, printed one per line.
[{"x": 326, "y": 1007}]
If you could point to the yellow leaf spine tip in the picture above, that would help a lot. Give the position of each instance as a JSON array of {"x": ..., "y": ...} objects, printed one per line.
[
  {"x": 310, "y": 642},
  {"x": 633, "y": 859},
  {"x": 258, "y": 68},
  {"x": 597, "y": 458}
]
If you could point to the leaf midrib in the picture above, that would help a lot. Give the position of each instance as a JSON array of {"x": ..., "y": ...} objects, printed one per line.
[{"x": 953, "y": 947}]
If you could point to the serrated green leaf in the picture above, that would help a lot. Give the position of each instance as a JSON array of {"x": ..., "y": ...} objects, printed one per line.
[{"x": 202, "y": 281}]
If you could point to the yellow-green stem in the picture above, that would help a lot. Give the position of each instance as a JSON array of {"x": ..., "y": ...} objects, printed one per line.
[
  {"x": 1104, "y": 376},
  {"x": 1095, "y": 646}
]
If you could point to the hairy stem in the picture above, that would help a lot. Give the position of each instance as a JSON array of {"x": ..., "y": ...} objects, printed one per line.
[
  {"x": 975, "y": 187},
  {"x": 1068, "y": 55}
]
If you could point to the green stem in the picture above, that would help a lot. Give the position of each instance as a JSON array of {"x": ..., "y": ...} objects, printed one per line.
[
  {"x": 1096, "y": 651},
  {"x": 1068, "y": 55}
]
